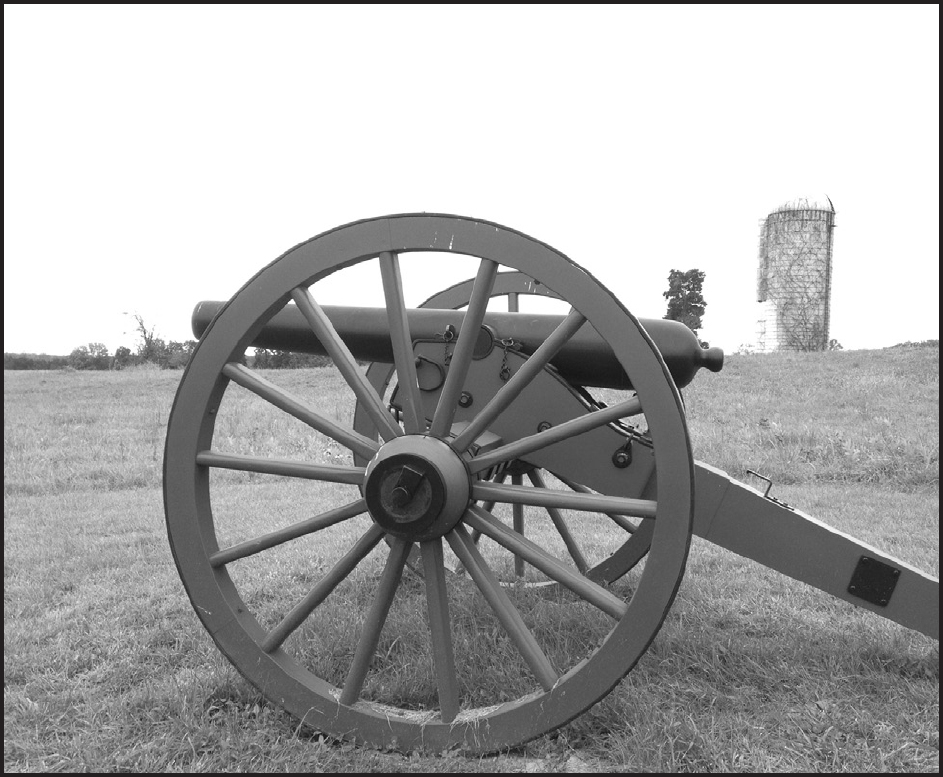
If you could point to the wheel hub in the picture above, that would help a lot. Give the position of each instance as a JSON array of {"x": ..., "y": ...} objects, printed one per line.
[{"x": 416, "y": 488}]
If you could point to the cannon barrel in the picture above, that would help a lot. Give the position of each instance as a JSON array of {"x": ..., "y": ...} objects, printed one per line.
[{"x": 585, "y": 360}]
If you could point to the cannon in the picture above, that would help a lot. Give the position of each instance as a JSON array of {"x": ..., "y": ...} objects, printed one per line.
[
  {"x": 585, "y": 360},
  {"x": 399, "y": 514}
]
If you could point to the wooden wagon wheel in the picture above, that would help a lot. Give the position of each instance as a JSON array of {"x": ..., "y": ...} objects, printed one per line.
[
  {"x": 513, "y": 285},
  {"x": 417, "y": 489}
]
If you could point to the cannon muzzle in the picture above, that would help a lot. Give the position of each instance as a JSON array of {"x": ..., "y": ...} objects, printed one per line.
[{"x": 586, "y": 360}]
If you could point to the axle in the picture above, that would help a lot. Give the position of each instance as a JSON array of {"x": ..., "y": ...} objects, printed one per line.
[{"x": 585, "y": 360}]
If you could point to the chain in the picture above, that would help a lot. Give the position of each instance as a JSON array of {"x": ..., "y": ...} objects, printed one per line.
[
  {"x": 448, "y": 337},
  {"x": 505, "y": 344}
]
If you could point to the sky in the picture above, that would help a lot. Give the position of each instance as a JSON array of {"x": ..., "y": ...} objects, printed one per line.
[{"x": 159, "y": 155}]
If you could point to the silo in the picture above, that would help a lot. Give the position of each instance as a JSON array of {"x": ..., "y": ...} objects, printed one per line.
[{"x": 794, "y": 278}]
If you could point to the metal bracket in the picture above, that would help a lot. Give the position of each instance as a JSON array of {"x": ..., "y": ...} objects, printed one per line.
[
  {"x": 874, "y": 581},
  {"x": 769, "y": 485}
]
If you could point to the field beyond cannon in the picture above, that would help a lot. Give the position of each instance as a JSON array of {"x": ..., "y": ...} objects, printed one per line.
[{"x": 106, "y": 667}]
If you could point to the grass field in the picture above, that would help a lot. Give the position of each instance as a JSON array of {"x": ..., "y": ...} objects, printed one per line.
[{"x": 107, "y": 668}]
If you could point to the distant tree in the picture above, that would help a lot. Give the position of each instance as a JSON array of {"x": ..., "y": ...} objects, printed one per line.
[
  {"x": 280, "y": 360},
  {"x": 80, "y": 359},
  {"x": 178, "y": 354},
  {"x": 303, "y": 360},
  {"x": 263, "y": 359},
  {"x": 101, "y": 359},
  {"x": 685, "y": 301},
  {"x": 123, "y": 358},
  {"x": 93, "y": 356},
  {"x": 151, "y": 349},
  {"x": 154, "y": 350}
]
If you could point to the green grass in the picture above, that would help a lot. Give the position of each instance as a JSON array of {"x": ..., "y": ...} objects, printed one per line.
[
  {"x": 106, "y": 667},
  {"x": 842, "y": 416}
]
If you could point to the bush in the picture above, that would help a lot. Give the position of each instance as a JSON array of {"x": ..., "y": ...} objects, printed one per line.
[{"x": 93, "y": 356}]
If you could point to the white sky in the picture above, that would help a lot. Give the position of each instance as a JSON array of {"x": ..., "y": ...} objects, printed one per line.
[{"x": 155, "y": 156}]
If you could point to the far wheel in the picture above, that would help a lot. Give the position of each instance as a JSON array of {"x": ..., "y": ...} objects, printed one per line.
[
  {"x": 276, "y": 616},
  {"x": 627, "y": 553}
]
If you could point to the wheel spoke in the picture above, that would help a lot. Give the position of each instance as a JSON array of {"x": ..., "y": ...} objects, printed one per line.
[
  {"x": 564, "y": 500},
  {"x": 239, "y": 373},
  {"x": 564, "y": 431},
  {"x": 562, "y": 529},
  {"x": 464, "y": 349},
  {"x": 376, "y": 617},
  {"x": 620, "y": 520},
  {"x": 300, "y": 529},
  {"x": 338, "y": 351},
  {"x": 488, "y": 507},
  {"x": 517, "y": 520},
  {"x": 433, "y": 565},
  {"x": 286, "y": 467},
  {"x": 323, "y": 588},
  {"x": 520, "y": 380},
  {"x": 507, "y": 614},
  {"x": 537, "y": 557},
  {"x": 403, "y": 355}
]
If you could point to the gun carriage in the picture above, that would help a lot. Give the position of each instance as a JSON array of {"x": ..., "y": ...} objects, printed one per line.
[{"x": 489, "y": 408}]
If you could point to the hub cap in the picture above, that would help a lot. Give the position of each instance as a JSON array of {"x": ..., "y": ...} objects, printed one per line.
[{"x": 416, "y": 487}]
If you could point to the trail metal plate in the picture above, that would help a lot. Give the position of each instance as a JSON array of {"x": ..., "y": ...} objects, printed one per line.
[{"x": 874, "y": 581}]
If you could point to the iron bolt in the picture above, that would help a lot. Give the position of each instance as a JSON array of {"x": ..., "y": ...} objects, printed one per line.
[
  {"x": 543, "y": 426},
  {"x": 465, "y": 400},
  {"x": 622, "y": 458}
]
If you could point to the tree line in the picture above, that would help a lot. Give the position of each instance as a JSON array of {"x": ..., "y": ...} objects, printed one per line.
[
  {"x": 96, "y": 356},
  {"x": 173, "y": 356},
  {"x": 152, "y": 350}
]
